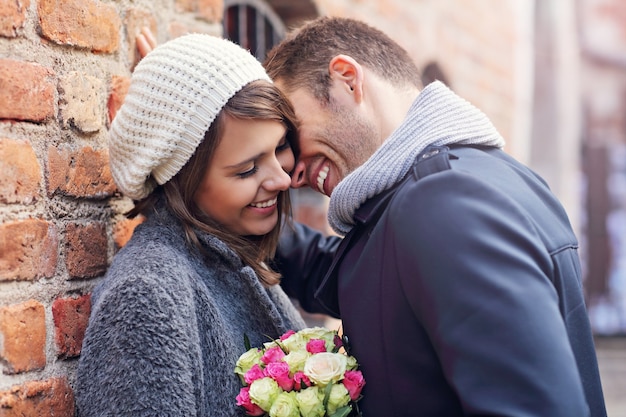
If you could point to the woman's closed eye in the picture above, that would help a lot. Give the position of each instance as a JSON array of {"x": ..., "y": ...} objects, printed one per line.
[
  {"x": 283, "y": 146},
  {"x": 248, "y": 173}
]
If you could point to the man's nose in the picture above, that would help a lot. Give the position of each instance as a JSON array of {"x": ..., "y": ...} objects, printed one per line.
[{"x": 298, "y": 176}]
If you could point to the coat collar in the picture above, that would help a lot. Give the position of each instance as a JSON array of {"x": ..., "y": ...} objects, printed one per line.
[{"x": 369, "y": 212}]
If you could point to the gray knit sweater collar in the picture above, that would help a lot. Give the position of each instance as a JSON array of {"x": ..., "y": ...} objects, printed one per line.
[{"x": 437, "y": 117}]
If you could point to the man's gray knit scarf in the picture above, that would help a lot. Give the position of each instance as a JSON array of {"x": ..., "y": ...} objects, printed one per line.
[{"x": 437, "y": 117}]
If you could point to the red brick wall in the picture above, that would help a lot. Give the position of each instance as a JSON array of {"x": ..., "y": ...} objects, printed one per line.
[{"x": 64, "y": 70}]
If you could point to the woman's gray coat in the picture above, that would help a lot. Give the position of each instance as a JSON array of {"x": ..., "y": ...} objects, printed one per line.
[{"x": 167, "y": 326}]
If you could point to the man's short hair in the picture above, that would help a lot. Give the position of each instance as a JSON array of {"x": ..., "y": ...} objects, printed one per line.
[{"x": 302, "y": 58}]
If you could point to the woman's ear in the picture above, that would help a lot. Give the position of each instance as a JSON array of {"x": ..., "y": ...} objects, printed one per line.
[{"x": 349, "y": 73}]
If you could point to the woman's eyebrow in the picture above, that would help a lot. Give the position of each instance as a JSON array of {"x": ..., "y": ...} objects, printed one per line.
[{"x": 245, "y": 162}]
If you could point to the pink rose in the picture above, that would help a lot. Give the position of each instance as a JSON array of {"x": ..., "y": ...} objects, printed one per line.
[
  {"x": 287, "y": 335},
  {"x": 279, "y": 371},
  {"x": 273, "y": 354},
  {"x": 253, "y": 374},
  {"x": 243, "y": 400},
  {"x": 353, "y": 381},
  {"x": 301, "y": 381},
  {"x": 316, "y": 346}
]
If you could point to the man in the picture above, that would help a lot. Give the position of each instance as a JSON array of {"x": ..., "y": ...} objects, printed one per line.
[{"x": 458, "y": 280}]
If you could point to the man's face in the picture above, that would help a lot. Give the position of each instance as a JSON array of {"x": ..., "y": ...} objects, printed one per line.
[{"x": 334, "y": 140}]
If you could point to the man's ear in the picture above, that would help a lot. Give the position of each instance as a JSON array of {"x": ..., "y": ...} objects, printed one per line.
[{"x": 349, "y": 73}]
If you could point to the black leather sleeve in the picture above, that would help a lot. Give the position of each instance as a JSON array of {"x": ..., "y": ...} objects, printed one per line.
[{"x": 303, "y": 258}]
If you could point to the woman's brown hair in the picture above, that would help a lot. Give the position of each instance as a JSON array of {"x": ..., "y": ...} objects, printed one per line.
[{"x": 258, "y": 100}]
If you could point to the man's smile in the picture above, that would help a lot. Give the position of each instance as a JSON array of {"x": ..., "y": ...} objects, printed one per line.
[{"x": 321, "y": 178}]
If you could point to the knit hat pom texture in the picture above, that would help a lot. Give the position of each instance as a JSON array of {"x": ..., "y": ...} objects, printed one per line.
[{"x": 175, "y": 93}]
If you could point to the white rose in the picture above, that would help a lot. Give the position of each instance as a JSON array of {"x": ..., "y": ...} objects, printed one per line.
[{"x": 326, "y": 367}]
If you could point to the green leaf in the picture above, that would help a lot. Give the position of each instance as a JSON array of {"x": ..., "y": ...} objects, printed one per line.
[
  {"x": 280, "y": 345},
  {"x": 246, "y": 342},
  {"x": 329, "y": 387},
  {"x": 277, "y": 341}
]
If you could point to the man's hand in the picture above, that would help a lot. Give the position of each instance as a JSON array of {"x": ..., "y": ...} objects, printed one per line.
[{"x": 146, "y": 41}]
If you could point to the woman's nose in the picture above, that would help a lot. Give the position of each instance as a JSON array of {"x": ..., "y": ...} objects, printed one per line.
[{"x": 278, "y": 178}]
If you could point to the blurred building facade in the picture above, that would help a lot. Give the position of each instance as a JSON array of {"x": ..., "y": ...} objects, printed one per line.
[
  {"x": 602, "y": 37},
  {"x": 551, "y": 76}
]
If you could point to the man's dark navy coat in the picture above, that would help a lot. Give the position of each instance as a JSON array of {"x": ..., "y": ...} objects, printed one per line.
[{"x": 460, "y": 292}]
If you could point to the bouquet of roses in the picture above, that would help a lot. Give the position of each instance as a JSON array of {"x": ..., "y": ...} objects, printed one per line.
[{"x": 301, "y": 374}]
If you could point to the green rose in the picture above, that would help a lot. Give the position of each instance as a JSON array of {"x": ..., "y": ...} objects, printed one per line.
[
  {"x": 294, "y": 343},
  {"x": 285, "y": 405},
  {"x": 263, "y": 392},
  {"x": 245, "y": 361},
  {"x": 351, "y": 363},
  {"x": 319, "y": 333},
  {"x": 271, "y": 344},
  {"x": 324, "y": 368},
  {"x": 311, "y": 402},
  {"x": 339, "y": 397},
  {"x": 296, "y": 360}
]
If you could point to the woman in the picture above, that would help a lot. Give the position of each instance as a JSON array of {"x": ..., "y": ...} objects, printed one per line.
[{"x": 202, "y": 144}]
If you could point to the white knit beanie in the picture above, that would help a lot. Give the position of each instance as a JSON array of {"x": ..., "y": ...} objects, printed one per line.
[{"x": 175, "y": 93}]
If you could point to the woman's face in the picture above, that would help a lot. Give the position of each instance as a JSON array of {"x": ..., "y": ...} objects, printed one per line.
[{"x": 249, "y": 169}]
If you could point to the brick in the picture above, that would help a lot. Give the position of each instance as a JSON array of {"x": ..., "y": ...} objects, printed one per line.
[
  {"x": 83, "y": 173},
  {"x": 12, "y": 16},
  {"x": 123, "y": 230},
  {"x": 178, "y": 28},
  {"x": 135, "y": 20},
  {"x": 23, "y": 329},
  {"x": 21, "y": 172},
  {"x": 28, "y": 250},
  {"x": 70, "y": 316},
  {"x": 119, "y": 89},
  {"x": 86, "y": 255},
  {"x": 82, "y": 102},
  {"x": 186, "y": 5},
  {"x": 51, "y": 397},
  {"x": 94, "y": 25},
  {"x": 27, "y": 91},
  {"x": 209, "y": 10}
]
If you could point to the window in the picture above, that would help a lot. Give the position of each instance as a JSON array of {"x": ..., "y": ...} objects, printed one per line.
[{"x": 253, "y": 25}]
